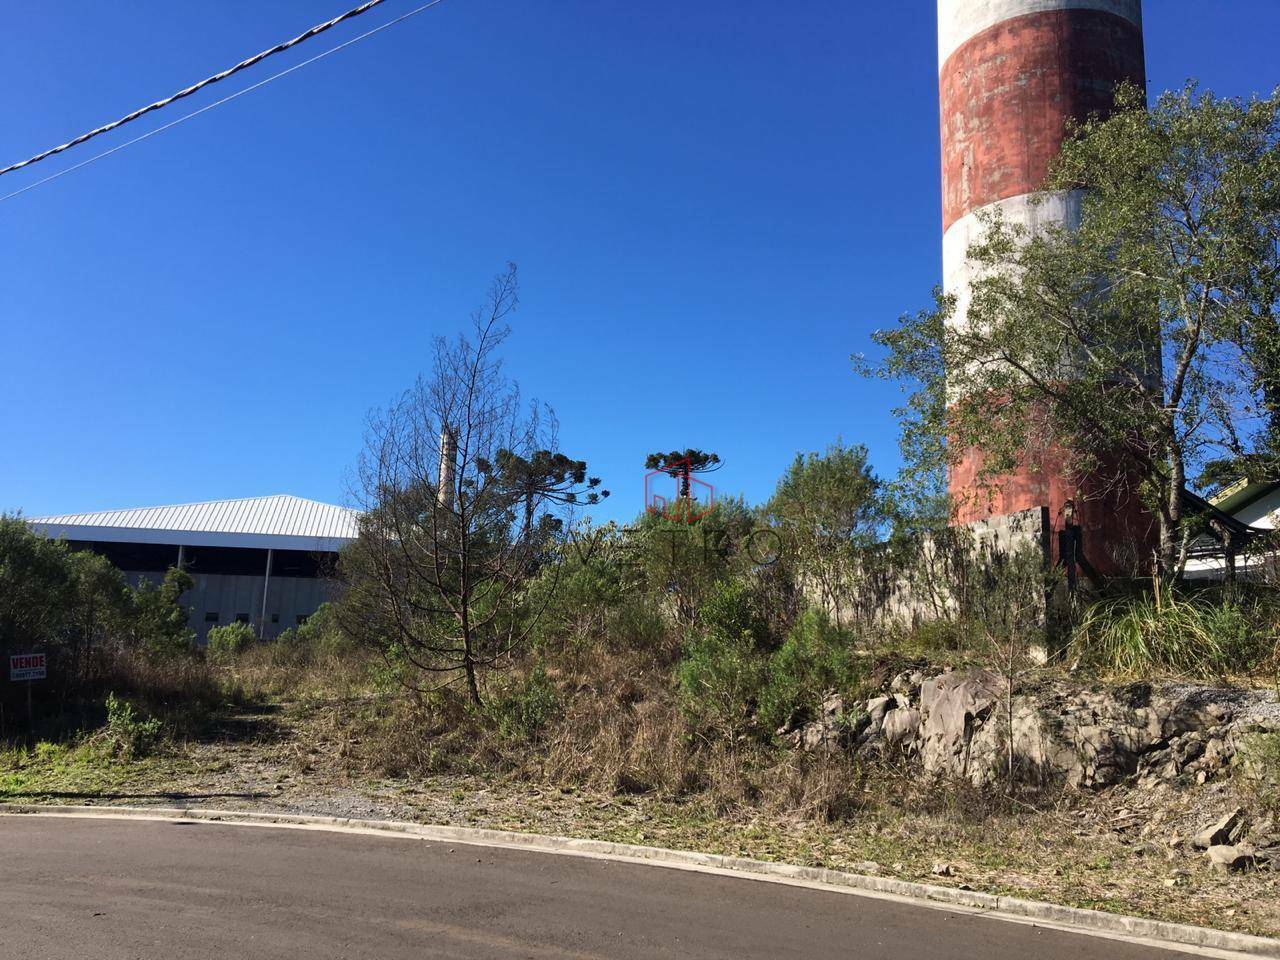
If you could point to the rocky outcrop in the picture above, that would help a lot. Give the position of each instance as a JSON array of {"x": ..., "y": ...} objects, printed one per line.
[{"x": 965, "y": 725}]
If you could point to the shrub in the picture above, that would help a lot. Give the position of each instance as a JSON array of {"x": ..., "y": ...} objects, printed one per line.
[
  {"x": 1259, "y": 759},
  {"x": 816, "y": 657},
  {"x": 637, "y": 625},
  {"x": 1200, "y": 637},
  {"x": 573, "y": 600},
  {"x": 523, "y": 709},
  {"x": 685, "y": 561},
  {"x": 130, "y": 733},
  {"x": 732, "y": 609},
  {"x": 317, "y": 638},
  {"x": 160, "y": 621},
  {"x": 722, "y": 669},
  {"x": 228, "y": 641}
]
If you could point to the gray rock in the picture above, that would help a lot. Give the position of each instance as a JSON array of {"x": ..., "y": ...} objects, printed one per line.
[
  {"x": 957, "y": 724},
  {"x": 1222, "y": 832},
  {"x": 877, "y": 707},
  {"x": 820, "y": 737},
  {"x": 952, "y": 706},
  {"x": 1228, "y": 857},
  {"x": 900, "y": 726}
]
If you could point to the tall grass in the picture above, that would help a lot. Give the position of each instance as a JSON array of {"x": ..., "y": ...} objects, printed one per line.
[{"x": 1201, "y": 637}]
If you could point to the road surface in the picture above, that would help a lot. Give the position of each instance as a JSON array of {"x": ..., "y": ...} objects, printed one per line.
[{"x": 174, "y": 890}]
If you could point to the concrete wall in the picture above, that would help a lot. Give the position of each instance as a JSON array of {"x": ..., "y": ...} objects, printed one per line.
[
  {"x": 230, "y": 596},
  {"x": 917, "y": 582}
]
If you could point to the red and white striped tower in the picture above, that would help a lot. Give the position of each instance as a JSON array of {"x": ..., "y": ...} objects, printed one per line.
[{"x": 1012, "y": 74}]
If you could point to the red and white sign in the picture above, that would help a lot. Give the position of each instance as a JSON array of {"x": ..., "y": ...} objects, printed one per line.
[{"x": 27, "y": 666}]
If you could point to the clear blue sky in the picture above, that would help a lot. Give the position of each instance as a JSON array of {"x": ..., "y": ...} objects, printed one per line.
[{"x": 743, "y": 190}]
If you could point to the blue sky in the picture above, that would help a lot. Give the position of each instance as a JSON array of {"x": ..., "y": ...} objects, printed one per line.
[{"x": 711, "y": 204}]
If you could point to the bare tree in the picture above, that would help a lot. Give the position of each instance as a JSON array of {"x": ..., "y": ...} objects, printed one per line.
[{"x": 435, "y": 580}]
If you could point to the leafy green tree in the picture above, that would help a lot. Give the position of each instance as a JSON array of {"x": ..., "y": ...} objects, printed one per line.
[
  {"x": 683, "y": 465},
  {"x": 828, "y": 508},
  {"x": 1143, "y": 340},
  {"x": 159, "y": 620},
  {"x": 99, "y": 610},
  {"x": 35, "y": 587}
]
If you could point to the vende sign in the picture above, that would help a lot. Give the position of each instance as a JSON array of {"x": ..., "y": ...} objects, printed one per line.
[{"x": 27, "y": 666}]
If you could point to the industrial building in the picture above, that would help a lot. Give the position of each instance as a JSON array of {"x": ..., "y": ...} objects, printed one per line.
[{"x": 265, "y": 561}]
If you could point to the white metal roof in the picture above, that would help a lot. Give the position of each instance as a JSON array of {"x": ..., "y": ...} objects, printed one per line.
[{"x": 278, "y": 522}]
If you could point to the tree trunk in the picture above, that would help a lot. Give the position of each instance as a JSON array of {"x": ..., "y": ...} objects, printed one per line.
[
  {"x": 473, "y": 688},
  {"x": 1171, "y": 518}
]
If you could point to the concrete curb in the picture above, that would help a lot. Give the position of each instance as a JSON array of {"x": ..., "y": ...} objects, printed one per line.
[{"x": 1116, "y": 926}]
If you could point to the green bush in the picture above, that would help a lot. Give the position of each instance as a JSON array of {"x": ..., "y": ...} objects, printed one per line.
[
  {"x": 636, "y": 625},
  {"x": 159, "y": 620},
  {"x": 228, "y": 641},
  {"x": 816, "y": 657},
  {"x": 317, "y": 638},
  {"x": 523, "y": 709},
  {"x": 732, "y": 609},
  {"x": 572, "y": 601},
  {"x": 723, "y": 666},
  {"x": 1259, "y": 757},
  {"x": 130, "y": 733},
  {"x": 1203, "y": 637},
  {"x": 685, "y": 561}
]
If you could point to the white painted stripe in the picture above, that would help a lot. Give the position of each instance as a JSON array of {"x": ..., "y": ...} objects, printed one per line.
[
  {"x": 958, "y": 273},
  {"x": 961, "y": 20}
]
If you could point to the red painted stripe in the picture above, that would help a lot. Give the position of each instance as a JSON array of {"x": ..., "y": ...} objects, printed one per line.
[{"x": 1008, "y": 93}]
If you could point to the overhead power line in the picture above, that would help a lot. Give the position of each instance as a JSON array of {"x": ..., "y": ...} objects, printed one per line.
[
  {"x": 196, "y": 87},
  {"x": 210, "y": 106}
]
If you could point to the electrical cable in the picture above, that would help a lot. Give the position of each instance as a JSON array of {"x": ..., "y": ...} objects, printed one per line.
[
  {"x": 216, "y": 103},
  {"x": 195, "y": 87}
]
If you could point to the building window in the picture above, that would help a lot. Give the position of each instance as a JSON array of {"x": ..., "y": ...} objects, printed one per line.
[
  {"x": 242, "y": 618},
  {"x": 275, "y": 618},
  {"x": 211, "y": 617}
]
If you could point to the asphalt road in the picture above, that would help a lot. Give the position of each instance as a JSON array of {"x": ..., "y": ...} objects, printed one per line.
[{"x": 105, "y": 889}]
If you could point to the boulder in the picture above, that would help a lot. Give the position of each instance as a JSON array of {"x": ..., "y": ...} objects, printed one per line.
[
  {"x": 826, "y": 734},
  {"x": 900, "y": 726},
  {"x": 953, "y": 705},
  {"x": 1229, "y": 857},
  {"x": 877, "y": 707},
  {"x": 1224, "y": 831},
  {"x": 958, "y": 725}
]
